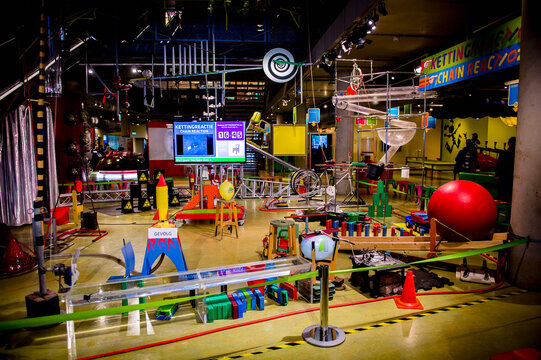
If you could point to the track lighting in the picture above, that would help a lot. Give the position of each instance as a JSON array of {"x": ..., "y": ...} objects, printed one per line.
[
  {"x": 382, "y": 9},
  {"x": 346, "y": 46}
]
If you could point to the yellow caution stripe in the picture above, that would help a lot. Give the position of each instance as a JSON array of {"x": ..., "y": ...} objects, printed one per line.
[{"x": 383, "y": 323}]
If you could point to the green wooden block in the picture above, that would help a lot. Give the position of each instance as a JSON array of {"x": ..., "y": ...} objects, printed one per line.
[
  {"x": 380, "y": 211},
  {"x": 371, "y": 210},
  {"x": 381, "y": 186},
  {"x": 388, "y": 210},
  {"x": 384, "y": 199},
  {"x": 248, "y": 296},
  {"x": 228, "y": 311},
  {"x": 210, "y": 313},
  {"x": 375, "y": 198}
]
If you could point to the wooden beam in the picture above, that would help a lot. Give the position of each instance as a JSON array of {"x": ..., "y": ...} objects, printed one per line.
[{"x": 415, "y": 243}]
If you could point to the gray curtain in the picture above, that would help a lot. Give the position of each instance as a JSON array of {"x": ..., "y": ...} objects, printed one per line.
[
  {"x": 53, "y": 179},
  {"x": 18, "y": 176}
]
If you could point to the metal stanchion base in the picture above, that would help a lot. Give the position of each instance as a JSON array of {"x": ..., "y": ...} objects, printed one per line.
[{"x": 328, "y": 337}]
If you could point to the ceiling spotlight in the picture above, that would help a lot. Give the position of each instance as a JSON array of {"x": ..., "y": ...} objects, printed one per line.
[
  {"x": 346, "y": 46},
  {"x": 133, "y": 70},
  {"x": 90, "y": 71},
  {"x": 328, "y": 68},
  {"x": 382, "y": 9},
  {"x": 417, "y": 70},
  {"x": 330, "y": 57},
  {"x": 359, "y": 31}
]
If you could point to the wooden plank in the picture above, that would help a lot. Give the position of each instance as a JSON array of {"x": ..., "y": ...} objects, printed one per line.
[{"x": 500, "y": 236}]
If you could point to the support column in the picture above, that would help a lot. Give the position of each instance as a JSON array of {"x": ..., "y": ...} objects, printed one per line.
[
  {"x": 526, "y": 206},
  {"x": 345, "y": 131}
]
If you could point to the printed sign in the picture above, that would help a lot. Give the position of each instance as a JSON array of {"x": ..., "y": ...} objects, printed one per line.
[
  {"x": 492, "y": 50},
  {"x": 237, "y": 270},
  {"x": 313, "y": 116},
  {"x": 486, "y": 64},
  {"x": 162, "y": 233},
  {"x": 513, "y": 95}
]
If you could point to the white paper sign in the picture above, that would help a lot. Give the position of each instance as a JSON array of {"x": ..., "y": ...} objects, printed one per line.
[
  {"x": 405, "y": 172},
  {"x": 162, "y": 233}
]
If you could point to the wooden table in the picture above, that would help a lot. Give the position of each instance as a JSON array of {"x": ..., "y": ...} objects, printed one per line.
[{"x": 433, "y": 165}]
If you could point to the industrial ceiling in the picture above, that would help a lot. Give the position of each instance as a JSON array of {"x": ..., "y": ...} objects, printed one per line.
[{"x": 124, "y": 38}]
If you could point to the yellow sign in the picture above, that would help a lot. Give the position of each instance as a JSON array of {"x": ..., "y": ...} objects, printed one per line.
[
  {"x": 146, "y": 204},
  {"x": 143, "y": 177},
  {"x": 174, "y": 200},
  {"x": 128, "y": 206}
]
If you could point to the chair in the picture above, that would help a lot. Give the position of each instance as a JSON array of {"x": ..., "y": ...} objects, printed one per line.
[
  {"x": 429, "y": 190},
  {"x": 402, "y": 186},
  {"x": 277, "y": 244},
  {"x": 389, "y": 182},
  {"x": 418, "y": 193},
  {"x": 410, "y": 191},
  {"x": 232, "y": 219}
]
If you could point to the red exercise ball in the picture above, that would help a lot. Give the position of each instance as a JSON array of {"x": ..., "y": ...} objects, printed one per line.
[{"x": 464, "y": 206}]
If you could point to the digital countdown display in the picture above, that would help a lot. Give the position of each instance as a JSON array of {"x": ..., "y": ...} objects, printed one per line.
[{"x": 209, "y": 142}]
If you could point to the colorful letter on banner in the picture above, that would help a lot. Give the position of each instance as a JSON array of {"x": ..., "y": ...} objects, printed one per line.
[
  {"x": 486, "y": 64},
  {"x": 494, "y": 49}
]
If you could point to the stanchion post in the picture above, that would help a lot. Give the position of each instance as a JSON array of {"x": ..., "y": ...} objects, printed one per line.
[
  {"x": 324, "y": 308},
  {"x": 324, "y": 335}
]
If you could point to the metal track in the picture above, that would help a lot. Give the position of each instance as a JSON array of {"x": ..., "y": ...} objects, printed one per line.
[
  {"x": 256, "y": 188},
  {"x": 116, "y": 195}
]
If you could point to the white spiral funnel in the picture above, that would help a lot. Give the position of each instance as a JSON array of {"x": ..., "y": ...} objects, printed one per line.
[{"x": 399, "y": 133}]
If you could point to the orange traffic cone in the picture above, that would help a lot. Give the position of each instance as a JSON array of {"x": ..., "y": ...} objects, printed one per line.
[
  {"x": 15, "y": 260},
  {"x": 408, "y": 299}
]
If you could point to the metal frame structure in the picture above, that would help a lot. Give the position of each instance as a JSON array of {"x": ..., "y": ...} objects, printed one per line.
[
  {"x": 115, "y": 195},
  {"x": 390, "y": 92}
]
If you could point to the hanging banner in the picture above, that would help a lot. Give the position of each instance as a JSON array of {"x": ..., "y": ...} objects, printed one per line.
[{"x": 495, "y": 49}]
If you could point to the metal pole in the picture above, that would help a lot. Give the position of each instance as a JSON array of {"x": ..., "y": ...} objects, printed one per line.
[
  {"x": 213, "y": 52},
  {"x": 37, "y": 232},
  {"x": 202, "y": 58},
  {"x": 201, "y": 206},
  {"x": 180, "y": 59},
  {"x": 195, "y": 58},
  {"x": 324, "y": 308},
  {"x": 207, "y": 42},
  {"x": 164, "y": 61},
  {"x": 185, "y": 62},
  {"x": 173, "y": 60},
  {"x": 189, "y": 59},
  {"x": 324, "y": 335}
]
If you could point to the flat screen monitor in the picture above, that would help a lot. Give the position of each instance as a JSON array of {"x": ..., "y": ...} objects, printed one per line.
[
  {"x": 319, "y": 140},
  {"x": 209, "y": 142}
]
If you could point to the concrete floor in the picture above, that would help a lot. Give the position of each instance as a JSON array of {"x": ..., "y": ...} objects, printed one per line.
[{"x": 468, "y": 332}]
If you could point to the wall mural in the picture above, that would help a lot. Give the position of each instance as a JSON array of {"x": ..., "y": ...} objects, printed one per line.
[{"x": 451, "y": 136}]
